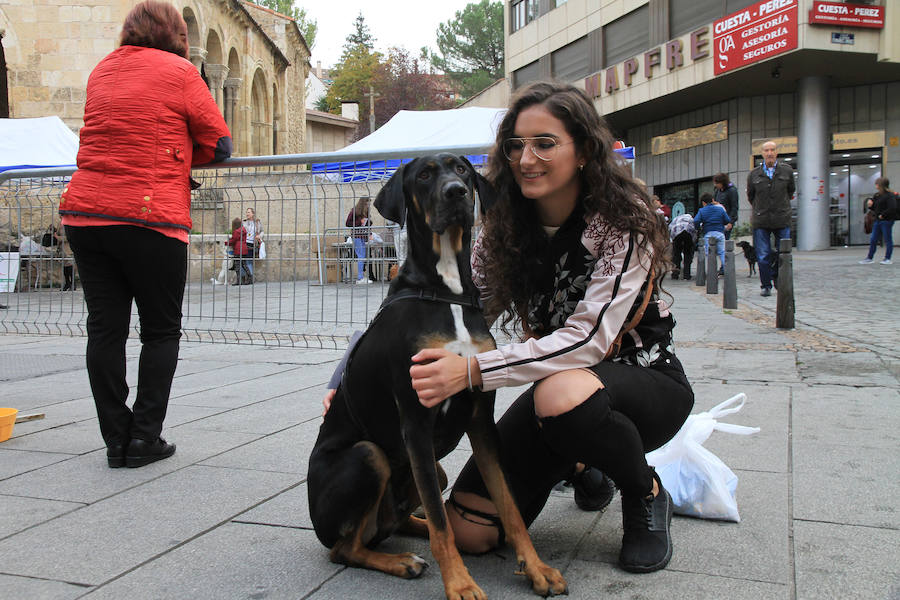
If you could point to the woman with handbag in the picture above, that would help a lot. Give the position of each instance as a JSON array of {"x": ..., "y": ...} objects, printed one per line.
[
  {"x": 254, "y": 229},
  {"x": 884, "y": 208}
]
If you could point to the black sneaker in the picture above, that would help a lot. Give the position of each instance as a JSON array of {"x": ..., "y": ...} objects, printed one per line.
[
  {"x": 141, "y": 452},
  {"x": 593, "y": 489},
  {"x": 647, "y": 542}
]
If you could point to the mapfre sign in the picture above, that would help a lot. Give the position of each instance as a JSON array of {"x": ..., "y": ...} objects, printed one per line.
[
  {"x": 847, "y": 15},
  {"x": 755, "y": 33}
]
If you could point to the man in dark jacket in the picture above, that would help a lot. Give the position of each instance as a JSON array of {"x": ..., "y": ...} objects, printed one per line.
[
  {"x": 770, "y": 187},
  {"x": 727, "y": 196}
]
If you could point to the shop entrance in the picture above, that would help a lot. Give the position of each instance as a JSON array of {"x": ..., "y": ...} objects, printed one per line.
[
  {"x": 852, "y": 182},
  {"x": 684, "y": 196}
]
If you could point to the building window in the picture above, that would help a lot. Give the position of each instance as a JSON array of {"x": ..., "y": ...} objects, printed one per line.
[
  {"x": 687, "y": 15},
  {"x": 523, "y": 12},
  {"x": 572, "y": 61},
  {"x": 528, "y": 73},
  {"x": 558, "y": 3},
  {"x": 626, "y": 36}
]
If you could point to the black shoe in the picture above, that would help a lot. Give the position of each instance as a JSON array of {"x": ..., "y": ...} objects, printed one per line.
[
  {"x": 593, "y": 489},
  {"x": 115, "y": 455},
  {"x": 647, "y": 542},
  {"x": 766, "y": 292},
  {"x": 721, "y": 273},
  {"x": 676, "y": 274},
  {"x": 687, "y": 277},
  {"x": 141, "y": 452}
]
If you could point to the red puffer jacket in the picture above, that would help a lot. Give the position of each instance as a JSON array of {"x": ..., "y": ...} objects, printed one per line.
[{"x": 147, "y": 119}]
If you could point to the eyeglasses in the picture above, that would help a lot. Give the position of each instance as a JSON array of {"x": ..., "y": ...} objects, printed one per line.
[{"x": 542, "y": 147}]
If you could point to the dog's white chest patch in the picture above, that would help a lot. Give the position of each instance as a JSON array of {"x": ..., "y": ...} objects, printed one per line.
[
  {"x": 463, "y": 344},
  {"x": 447, "y": 267}
]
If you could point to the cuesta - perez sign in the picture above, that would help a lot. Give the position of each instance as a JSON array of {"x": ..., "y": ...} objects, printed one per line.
[
  {"x": 755, "y": 33},
  {"x": 847, "y": 15}
]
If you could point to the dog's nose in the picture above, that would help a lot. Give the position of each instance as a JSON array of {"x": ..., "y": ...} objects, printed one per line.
[{"x": 454, "y": 190}]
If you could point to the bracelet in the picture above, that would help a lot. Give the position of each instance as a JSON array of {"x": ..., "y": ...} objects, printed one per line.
[{"x": 469, "y": 372}]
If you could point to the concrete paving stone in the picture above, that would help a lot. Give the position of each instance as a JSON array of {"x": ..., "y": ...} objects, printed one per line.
[
  {"x": 27, "y": 587},
  {"x": 87, "y": 478},
  {"x": 57, "y": 414},
  {"x": 846, "y": 484},
  {"x": 718, "y": 364},
  {"x": 593, "y": 581},
  {"x": 18, "y": 514},
  {"x": 24, "y": 366},
  {"x": 14, "y": 462},
  {"x": 847, "y": 416},
  {"x": 716, "y": 547},
  {"x": 243, "y": 386},
  {"x": 46, "y": 390},
  {"x": 841, "y": 561},
  {"x": 284, "y": 452},
  {"x": 852, "y": 369},
  {"x": 73, "y": 438},
  {"x": 290, "y": 508},
  {"x": 767, "y": 407},
  {"x": 231, "y": 561},
  {"x": 130, "y": 528},
  {"x": 267, "y": 416}
]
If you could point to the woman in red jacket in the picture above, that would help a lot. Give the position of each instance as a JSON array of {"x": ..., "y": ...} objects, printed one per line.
[
  {"x": 148, "y": 117},
  {"x": 242, "y": 252}
]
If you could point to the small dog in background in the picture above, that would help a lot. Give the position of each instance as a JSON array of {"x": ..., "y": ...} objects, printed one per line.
[{"x": 750, "y": 255}]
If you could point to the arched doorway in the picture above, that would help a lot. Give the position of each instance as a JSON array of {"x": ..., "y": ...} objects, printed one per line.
[{"x": 260, "y": 121}]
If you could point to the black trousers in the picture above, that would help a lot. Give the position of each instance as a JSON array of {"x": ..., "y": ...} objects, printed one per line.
[
  {"x": 120, "y": 264},
  {"x": 683, "y": 247},
  {"x": 643, "y": 408}
]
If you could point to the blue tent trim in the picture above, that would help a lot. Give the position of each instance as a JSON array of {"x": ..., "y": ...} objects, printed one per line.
[
  {"x": 10, "y": 167},
  {"x": 377, "y": 170}
]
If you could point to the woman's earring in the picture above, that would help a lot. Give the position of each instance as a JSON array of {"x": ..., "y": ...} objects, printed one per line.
[{"x": 581, "y": 167}]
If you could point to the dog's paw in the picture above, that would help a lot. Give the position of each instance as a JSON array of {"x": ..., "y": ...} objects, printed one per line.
[
  {"x": 466, "y": 591},
  {"x": 409, "y": 565},
  {"x": 545, "y": 580}
]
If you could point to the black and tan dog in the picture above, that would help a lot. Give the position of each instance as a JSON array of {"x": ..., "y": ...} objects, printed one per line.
[
  {"x": 750, "y": 255},
  {"x": 375, "y": 458}
]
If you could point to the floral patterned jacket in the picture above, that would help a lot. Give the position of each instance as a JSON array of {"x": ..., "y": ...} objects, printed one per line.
[{"x": 596, "y": 276}]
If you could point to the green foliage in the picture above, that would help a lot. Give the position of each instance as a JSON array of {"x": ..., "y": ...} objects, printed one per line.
[
  {"x": 359, "y": 38},
  {"x": 322, "y": 104},
  {"x": 741, "y": 230},
  {"x": 308, "y": 27},
  {"x": 351, "y": 78},
  {"x": 471, "y": 46}
]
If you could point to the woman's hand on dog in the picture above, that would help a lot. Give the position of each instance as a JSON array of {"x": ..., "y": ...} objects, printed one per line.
[
  {"x": 440, "y": 373},
  {"x": 326, "y": 400}
]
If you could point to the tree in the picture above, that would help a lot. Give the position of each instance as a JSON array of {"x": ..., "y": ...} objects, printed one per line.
[
  {"x": 351, "y": 77},
  {"x": 360, "y": 37},
  {"x": 471, "y": 46},
  {"x": 308, "y": 27},
  {"x": 404, "y": 85}
]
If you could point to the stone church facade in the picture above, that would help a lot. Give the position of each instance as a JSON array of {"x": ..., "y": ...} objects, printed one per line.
[{"x": 254, "y": 60}]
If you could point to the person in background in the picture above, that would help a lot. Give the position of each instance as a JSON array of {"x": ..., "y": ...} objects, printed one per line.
[
  {"x": 684, "y": 239},
  {"x": 571, "y": 255},
  {"x": 712, "y": 218},
  {"x": 885, "y": 206},
  {"x": 241, "y": 252},
  {"x": 358, "y": 219},
  {"x": 64, "y": 251},
  {"x": 148, "y": 117},
  {"x": 727, "y": 196},
  {"x": 770, "y": 187},
  {"x": 254, "y": 238}
]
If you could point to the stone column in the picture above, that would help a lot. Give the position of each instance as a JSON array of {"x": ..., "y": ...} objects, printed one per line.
[
  {"x": 197, "y": 56},
  {"x": 216, "y": 75},
  {"x": 813, "y": 148},
  {"x": 231, "y": 87}
]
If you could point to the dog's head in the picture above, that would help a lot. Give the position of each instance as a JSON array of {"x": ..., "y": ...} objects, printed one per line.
[{"x": 438, "y": 189}]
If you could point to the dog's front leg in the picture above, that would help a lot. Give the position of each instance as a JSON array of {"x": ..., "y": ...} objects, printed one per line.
[
  {"x": 458, "y": 583},
  {"x": 545, "y": 580}
]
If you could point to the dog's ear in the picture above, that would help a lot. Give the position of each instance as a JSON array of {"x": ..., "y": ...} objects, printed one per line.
[
  {"x": 486, "y": 194},
  {"x": 390, "y": 201}
]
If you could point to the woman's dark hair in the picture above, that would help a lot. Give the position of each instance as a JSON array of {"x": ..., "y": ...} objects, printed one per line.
[
  {"x": 362, "y": 207},
  {"x": 236, "y": 222},
  {"x": 153, "y": 24},
  {"x": 721, "y": 178},
  {"x": 512, "y": 235},
  {"x": 706, "y": 198},
  {"x": 884, "y": 182}
]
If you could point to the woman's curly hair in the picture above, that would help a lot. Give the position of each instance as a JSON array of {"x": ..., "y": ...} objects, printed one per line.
[
  {"x": 512, "y": 238},
  {"x": 154, "y": 24}
]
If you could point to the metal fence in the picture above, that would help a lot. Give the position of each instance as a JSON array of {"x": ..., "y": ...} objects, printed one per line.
[{"x": 304, "y": 292}]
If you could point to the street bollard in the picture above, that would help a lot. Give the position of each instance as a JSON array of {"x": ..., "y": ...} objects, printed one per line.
[
  {"x": 729, "y": 293},
  {"x": 784, "y": 302},
  {"x": 700, "y": 278},
  {"x": 712, "y": 271}
]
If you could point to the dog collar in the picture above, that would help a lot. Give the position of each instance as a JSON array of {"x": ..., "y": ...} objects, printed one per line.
[{"x": 473, "y": 299}]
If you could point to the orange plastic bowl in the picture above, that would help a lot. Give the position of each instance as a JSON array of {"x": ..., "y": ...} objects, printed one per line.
[{"x": 7, "y": 420}]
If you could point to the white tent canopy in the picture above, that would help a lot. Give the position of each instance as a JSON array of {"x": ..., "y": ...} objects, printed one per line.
[
  {"x": 40, "y": 142},
  {"x": 433, "y": 129}
]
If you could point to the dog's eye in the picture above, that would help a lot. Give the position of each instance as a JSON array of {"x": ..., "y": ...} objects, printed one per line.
[
  {"x": 424, "y": 175},
  {"x": 460, "y": 170}
]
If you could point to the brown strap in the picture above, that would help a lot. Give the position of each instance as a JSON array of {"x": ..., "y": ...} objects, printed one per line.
[{"x": 617, "y": 343}]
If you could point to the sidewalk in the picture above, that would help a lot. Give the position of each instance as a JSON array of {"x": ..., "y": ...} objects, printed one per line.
[{"x": 226, "y": 517}]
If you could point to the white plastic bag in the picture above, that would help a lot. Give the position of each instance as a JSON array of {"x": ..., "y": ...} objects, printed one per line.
[
  {"x": 701, "y": 484},
  {"x": 262, "y": 249}
]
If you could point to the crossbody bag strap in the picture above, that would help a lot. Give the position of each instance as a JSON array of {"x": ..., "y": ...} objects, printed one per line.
[{"x": 617, "y": 343}]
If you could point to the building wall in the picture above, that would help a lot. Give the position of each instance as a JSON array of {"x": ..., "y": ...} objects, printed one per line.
[
  {"x": 326, "y": 137},
  {"x": 51, "y": 50}
]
